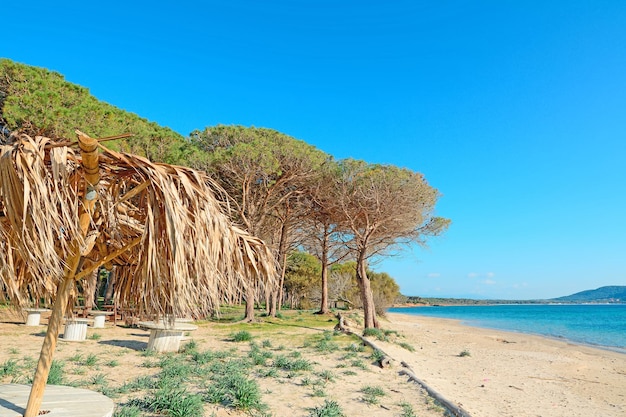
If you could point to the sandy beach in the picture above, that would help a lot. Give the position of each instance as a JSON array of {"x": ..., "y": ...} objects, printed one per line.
[
  {"x": 500, "y": 374},
  {"x": 512, "y": 374}
]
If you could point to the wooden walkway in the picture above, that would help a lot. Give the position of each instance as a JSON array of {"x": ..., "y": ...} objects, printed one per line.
[{"x": 59, "y": 400}]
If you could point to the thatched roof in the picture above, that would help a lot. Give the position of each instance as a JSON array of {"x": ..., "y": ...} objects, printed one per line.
[{"x": 176, "y": 249}]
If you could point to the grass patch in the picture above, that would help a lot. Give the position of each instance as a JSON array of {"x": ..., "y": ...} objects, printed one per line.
[
  {"x": 406, "y": 346},
  {"x": 230, "y": 386},
  {"x": 242, "y": 336},
  {"x": 127, "y": 411},
  {"x": 175, "y": 402},
  {"x": 57, "y": 373},
  {"x": 374, "y": 332},
  {"x": 372, "y": 394},
  {"x": 407, "y": 410},
  {"x": 287, "y": 364},
  {"x": 330, "y": 408},
  {"x": 91, "y": 360},
  {"x": 9, "y": 368}
]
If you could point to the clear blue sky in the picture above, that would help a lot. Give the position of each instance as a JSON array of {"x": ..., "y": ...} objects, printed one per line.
[{"x": 515, "y": 111}]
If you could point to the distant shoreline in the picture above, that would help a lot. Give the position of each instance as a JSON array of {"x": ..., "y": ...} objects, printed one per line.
[{"x": 556, "y": 321}]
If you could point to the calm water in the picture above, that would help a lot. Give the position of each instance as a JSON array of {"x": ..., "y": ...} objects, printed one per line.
[{"x": 600, "y": 325}]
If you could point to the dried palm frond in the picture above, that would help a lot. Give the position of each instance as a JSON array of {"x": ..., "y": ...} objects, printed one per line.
[{"x": 177, "y": 250}]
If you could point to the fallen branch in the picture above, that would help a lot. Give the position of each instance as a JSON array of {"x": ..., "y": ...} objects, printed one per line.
[
  {"x": 384, "y": 361},
  {"x": 454, "y": 409}
]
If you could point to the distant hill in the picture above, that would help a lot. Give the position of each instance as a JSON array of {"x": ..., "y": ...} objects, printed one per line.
[{"x": 614, "y": 294}]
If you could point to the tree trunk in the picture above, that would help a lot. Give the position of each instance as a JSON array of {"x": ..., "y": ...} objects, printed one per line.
[
  {"x": 108, "y": 295},
  {"x": 324, "y": 303},
  {"x": 282, "y": 259},
  {"x": 249, "y": 303},
  {"x": 89, "y": 290},
  {"x": 369, "y": 310}
]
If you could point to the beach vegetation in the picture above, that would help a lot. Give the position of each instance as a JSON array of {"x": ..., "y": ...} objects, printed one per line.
[
  {"x": 268, "y": 372},
  {"x": 375, "y": 332},
  {"x": 377, "y": 355},
  {"x": 330, "y": 408},
  {"x": 287, "y": 364},
  {"x": 175, "y": 402},
  {"x": 358, "y": 363},
  {"x": 9, "y": 368},
  {"x": 77, "y": 357},
  {"x": 128, "y": 411},
  {"x": 434, "y": 405},
  {"x": 319, "y": 392},
  {"x": 99, "y": 379},
  {"x": 406, "y": 346},
  {"x": 112, "y": 363},
  {"x": 327, "y": 375},
  {"x": 91, "y": 360},
  {"x": 56, "y": 376},
  {"x": 242, "y": 336},
  {"x": 465, "y": 353},
  {"x": 407, "y": 410},
  {"x": 372, "y": 394},
  {"x": 190, "y": 347}
]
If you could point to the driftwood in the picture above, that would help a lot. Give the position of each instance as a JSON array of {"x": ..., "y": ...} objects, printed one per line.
[
  {"x": 383, "y": 362},
  {"x": 454, "y": 409}
]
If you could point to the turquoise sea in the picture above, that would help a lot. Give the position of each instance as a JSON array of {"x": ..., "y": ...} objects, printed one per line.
[{"x": 601, "y": 325}]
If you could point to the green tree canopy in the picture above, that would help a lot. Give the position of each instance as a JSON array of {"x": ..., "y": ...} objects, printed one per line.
[
  {"x": 37, "y": 101},
  {"x": 384, "y": 207}
]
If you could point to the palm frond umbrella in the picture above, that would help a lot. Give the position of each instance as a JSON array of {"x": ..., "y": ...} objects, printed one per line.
[{"x": 65, "y": 212}]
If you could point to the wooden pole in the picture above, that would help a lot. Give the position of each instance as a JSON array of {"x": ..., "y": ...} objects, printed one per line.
[
  {"x": 89, "y": 153},
  {"x": 52, "y": 335}
]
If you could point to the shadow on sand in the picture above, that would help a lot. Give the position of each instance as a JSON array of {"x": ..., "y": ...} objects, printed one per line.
[{"x": 130, "y": 344}]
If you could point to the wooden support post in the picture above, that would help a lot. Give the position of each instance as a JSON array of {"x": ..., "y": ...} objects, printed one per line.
[
  {"x": 52, "y": 336},
  {"x": 91, "y": 174}
]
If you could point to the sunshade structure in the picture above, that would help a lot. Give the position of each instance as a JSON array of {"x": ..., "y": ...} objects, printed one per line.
[{"x": 67, "y": 208}]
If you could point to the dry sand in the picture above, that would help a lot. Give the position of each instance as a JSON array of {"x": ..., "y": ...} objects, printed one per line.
[
  {"x": 505, "y": 374},
  {"x": 512, "y": 374}
]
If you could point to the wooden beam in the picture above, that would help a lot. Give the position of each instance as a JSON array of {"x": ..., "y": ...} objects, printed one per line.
[{"x": 82, "y": 274}]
